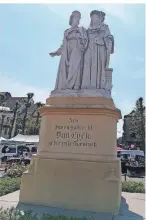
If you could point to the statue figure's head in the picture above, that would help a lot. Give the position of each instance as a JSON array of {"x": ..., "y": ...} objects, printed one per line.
[
  {"x": 97, "y": 17},
  {"x": 75, "y": 18}
]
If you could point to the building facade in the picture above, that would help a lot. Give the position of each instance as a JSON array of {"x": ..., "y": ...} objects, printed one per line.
[{"x": 7, "y": 110}]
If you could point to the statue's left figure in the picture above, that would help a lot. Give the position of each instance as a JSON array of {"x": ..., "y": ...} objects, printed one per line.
[{"x": 70, "y": 69}]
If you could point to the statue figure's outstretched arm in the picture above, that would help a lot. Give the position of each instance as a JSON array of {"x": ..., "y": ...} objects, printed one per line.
[{"x": 57, "y": 52}]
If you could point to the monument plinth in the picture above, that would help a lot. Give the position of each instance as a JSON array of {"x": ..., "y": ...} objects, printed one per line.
[{"x": 76, "y": 166}]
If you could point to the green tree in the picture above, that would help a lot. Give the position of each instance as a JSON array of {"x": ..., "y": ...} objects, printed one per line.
[
  {"x": 30, "y": 126},
  {"x": 17, "y": 106},
  {"x": 32, "y": 122},
  {"x": 137, "y": 125},
  {"x": 4, "y": 96},
  {"x": 37, "y": 121},
  {"x": 27, "y": 105}
]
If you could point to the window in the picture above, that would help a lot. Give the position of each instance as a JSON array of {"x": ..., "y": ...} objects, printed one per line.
[
  {"x": 33, "y": 149},
  {"x": 23, "y": 148},
  {"x": 4, "y": 149},
  {"x": 12, "y": 150},
  {"x": 7, "y": 149}
]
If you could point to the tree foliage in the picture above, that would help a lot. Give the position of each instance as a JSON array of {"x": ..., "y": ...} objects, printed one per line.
[
  {"x": 137, "y": 125},
  {"x": 31, "y": 126}
]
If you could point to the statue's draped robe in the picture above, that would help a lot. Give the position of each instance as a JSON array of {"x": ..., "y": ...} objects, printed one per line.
[
  {"x": 71, "y": 63},
  {"x": 96, "y": 58}
]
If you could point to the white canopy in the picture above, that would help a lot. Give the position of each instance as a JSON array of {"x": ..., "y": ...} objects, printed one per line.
[
  {"x": 2, "y": 139},
  {"x": 24, "y": 138},
  {"x": 3, "y": 108}
]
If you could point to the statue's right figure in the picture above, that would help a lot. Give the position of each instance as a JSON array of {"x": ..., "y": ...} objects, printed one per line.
[{"x": 97, "y": 55}]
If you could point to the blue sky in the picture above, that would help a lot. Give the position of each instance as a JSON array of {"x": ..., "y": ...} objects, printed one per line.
[{"x": 29, "y": 32}]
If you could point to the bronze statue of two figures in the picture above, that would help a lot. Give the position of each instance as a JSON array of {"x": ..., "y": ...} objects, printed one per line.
[{"x": 84, "y": 54}]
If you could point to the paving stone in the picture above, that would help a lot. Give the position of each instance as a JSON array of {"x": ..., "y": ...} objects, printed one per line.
[
  {"x": 123, "y": 217},
  {"x": 132, "y": 208}
]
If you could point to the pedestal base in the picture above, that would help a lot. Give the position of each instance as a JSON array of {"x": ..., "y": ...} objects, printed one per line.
[
  {"x": 80, "y": 185},
  {"x": 76, "y": 166}
]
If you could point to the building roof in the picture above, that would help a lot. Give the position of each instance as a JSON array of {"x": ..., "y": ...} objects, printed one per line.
[{"x": 11, "y": 102}]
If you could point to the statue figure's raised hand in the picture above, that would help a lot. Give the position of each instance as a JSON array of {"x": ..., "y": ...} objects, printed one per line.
[{"x": 53, "y": 54}]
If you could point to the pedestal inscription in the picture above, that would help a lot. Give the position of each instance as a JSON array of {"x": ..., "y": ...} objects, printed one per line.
[
  {"x": 73, "y": 135},
  {"x": 78, "y": 135}
]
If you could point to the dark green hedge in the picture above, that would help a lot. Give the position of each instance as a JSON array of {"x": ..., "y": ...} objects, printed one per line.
[
  {"x": 133, "y": 187},
  {"x": 9, "y": 185}
]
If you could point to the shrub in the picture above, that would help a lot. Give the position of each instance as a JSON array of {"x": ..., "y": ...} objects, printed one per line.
[
  {"x": 133, "y": 187},
  {"x": 13, "y": 214},
  {"x": 16, "y": 171},
  {"x": 9, "y": 185}
]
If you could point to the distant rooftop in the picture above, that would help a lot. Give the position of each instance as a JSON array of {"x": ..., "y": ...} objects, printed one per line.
[{"x": 10, "y": 102}]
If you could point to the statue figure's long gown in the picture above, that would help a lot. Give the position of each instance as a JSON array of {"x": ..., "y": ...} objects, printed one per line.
[
  {"x": 70, "y": 68},
  {"x": 96, "y": 58}
]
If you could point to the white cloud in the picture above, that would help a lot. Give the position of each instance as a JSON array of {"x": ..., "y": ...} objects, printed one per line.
[
  {"x": 120, "y": 128},
  {"x": 126, "y": 107},
  {"x": 17, "y": 88},
  {"x": 119, "y": 11}
]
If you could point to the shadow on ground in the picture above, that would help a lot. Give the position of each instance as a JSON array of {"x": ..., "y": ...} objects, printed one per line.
[{"x": 124, "y": 214}]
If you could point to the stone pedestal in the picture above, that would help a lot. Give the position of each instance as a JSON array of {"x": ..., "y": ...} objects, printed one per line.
[{"x": 76, "y": 166}]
